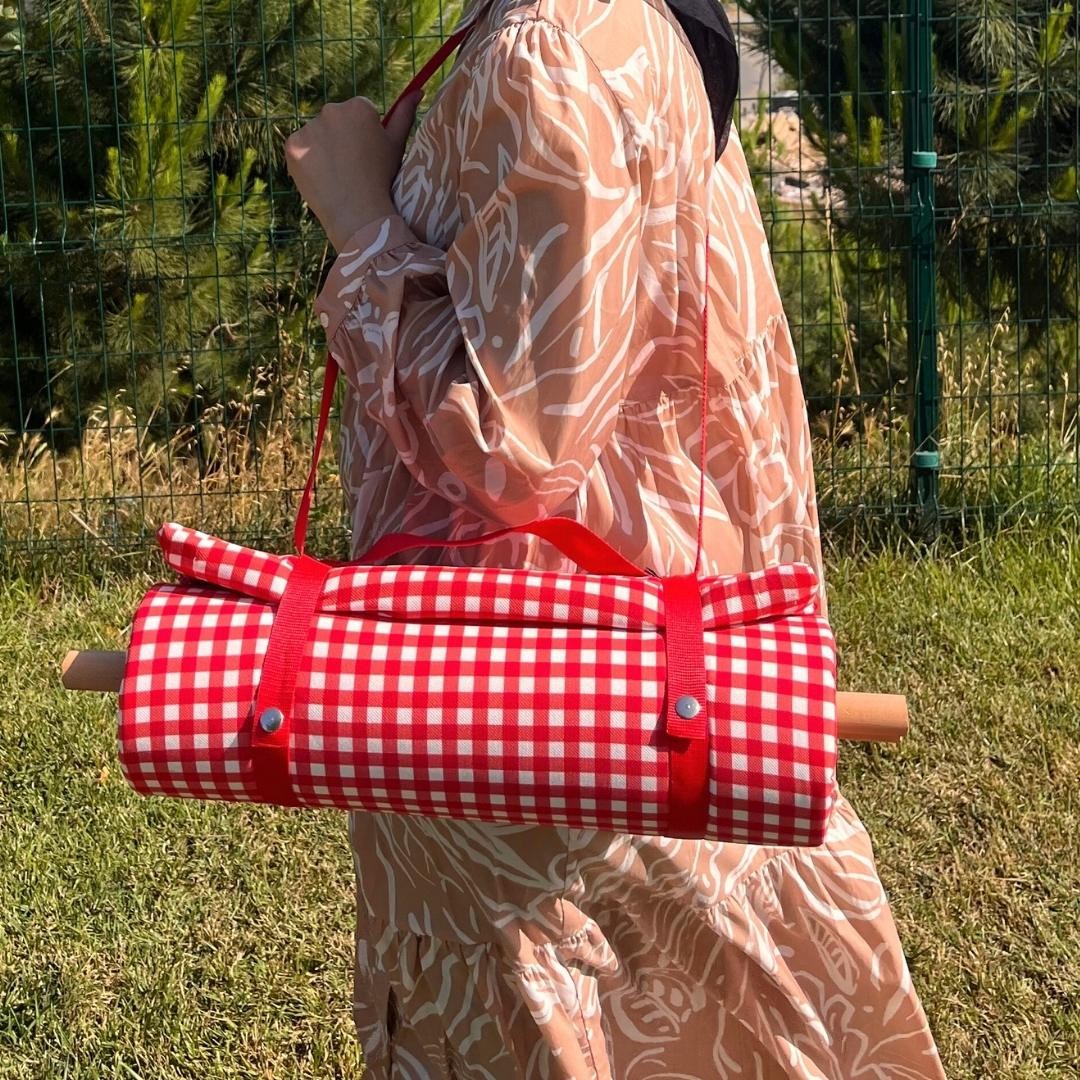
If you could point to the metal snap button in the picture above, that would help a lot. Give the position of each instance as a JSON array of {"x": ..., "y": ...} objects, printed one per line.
[
  {"x": 271, "y": 720},
  {"x": 688, "y": 707}
]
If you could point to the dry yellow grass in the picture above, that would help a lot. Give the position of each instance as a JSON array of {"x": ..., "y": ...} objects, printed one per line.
[
  {"x": 1008, "y": 431},
  {"x": 1007, "y": 440},
  {"x": 119, "y": 484}
]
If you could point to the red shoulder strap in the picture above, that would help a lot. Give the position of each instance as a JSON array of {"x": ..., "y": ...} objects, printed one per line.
[
  {"x": 418, "y": 81},
  {"x": 574, "y": 539}
]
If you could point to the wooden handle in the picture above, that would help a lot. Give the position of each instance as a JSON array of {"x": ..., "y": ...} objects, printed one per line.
[
  {"x": 871, "y": 717},
  {"x": 860, "y": 717},
  {"x": 92, "y": 669}
]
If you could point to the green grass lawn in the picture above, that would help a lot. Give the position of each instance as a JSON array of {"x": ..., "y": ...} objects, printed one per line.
[{"x": 149, "y": 938}]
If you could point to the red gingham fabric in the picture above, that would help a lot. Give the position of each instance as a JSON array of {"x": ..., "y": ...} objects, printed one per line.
[{"x": 484, "y": 693}]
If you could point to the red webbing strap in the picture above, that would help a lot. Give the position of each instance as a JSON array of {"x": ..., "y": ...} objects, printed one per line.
[
  {"x": 418, "y": 81},
  {"x": 301, "y": 526},
  {"x": 574, "y": 540},
  {"x": 704, "y": 382},
  {"x": 684, "y": 637},
  {"x": 277, "y": 681},
  {"x": 684, "y": 642},
  {"x": 330, "y": 379},
  {"x": 688, "y": 758}
]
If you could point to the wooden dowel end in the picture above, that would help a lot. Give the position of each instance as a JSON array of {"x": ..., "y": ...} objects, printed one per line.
[
  {"x": 864, "y": 717},
  {"x": 93, "y": 669},
  {"x": 860, "y": 717}
]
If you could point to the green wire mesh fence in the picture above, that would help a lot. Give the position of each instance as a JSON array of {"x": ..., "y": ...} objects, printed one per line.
[
  {"x": 931, "y": 276},
  {"x": 916, "y": 170}
]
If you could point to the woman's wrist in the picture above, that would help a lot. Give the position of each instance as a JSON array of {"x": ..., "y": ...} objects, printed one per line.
[{"x": 348, "y": 222}]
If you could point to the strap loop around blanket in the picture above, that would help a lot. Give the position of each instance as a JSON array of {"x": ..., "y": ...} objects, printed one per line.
[
  {"x": 277, "y": 681},
  {"x": 688, "y": 732}
]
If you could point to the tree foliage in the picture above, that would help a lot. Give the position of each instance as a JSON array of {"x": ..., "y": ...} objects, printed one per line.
[
  {"x": 1006, "y": 117},
  {"x": 844, "y": 307},
  {"x": 151, "y": 243}
]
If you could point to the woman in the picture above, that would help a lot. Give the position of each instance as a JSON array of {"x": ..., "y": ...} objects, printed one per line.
[{"x": 516, "y": 307}]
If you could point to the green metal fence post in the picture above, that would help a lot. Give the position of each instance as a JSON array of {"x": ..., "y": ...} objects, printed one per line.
[{"x": 920, "y": 161}]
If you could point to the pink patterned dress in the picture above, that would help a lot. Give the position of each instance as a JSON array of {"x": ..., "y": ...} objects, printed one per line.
[{"x": 523, "y": 338}]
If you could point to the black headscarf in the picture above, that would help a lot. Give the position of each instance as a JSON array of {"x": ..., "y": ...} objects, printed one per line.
[{"x": 706, "y": 26}]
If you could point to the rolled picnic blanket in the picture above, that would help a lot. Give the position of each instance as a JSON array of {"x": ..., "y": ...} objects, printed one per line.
[{"x": 484, "y": 693}]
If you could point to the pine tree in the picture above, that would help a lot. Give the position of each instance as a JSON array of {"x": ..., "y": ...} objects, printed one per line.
[
  {"x": 151, "y": 242},
  {"x": 1007, "y": 132}
]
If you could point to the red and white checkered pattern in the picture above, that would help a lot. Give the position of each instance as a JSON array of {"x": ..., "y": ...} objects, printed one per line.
[{"x": 485, "y": 694}]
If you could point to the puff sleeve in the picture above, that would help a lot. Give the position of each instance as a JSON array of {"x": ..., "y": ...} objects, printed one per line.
[{"x": 497, "y": 366}]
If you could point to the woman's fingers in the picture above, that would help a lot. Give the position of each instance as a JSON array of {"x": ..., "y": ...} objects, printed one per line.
[{"x": 343, "y": 163}]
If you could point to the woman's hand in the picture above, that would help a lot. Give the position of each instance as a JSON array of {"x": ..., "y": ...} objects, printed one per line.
[{"x": 344, "y": 161}]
